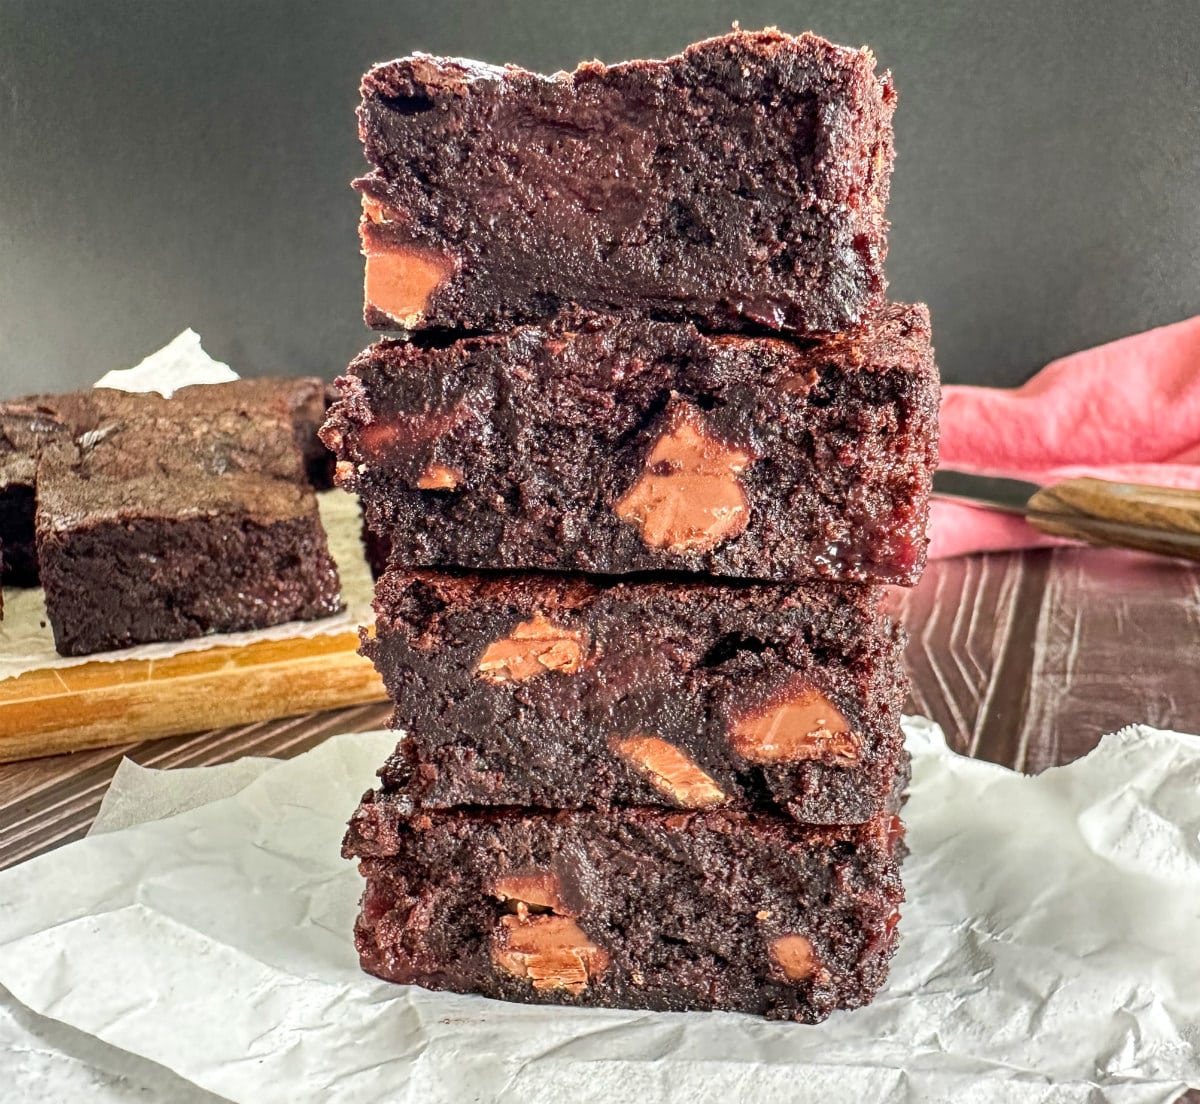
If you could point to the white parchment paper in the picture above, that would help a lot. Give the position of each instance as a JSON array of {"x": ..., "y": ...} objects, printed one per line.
[
  {"x": 182, "y": 362},
  {"x": 43, "y": 1061},
  {"x": 1050, "y": 953},
  {"x": 26, "y": 642}
]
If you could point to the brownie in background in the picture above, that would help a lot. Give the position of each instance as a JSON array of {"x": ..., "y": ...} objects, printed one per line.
[
  {"x": 27, "y": 426},
  {"x": 164, "y": 519},
  {"x": 28, "y": 423},
  {"x": 308, "y": 399}
]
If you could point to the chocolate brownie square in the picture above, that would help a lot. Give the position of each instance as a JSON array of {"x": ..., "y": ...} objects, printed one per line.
[
  {"x": 557, "y": 692},
  {"x": 629, "y": 908},
  {"x": 26, "y": 424},
  {"x": 742, "y": 182},
  {"x": 165, "y": 519},
  {"x": 615, "y": 444}
]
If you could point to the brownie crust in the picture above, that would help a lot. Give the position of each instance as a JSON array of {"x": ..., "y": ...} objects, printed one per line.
[
  {"x": 742, "y": 183},
  {"x": 614, "y": 444},
  {"x": 633, "y": 908},
  {"x": 553, "y": 692},
  {"x": 167, "y": 519}
]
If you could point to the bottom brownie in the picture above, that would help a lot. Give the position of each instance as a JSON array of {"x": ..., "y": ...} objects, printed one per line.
[{"x": 631, "y": 908}]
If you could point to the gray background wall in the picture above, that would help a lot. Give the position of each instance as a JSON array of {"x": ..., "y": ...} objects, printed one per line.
[{"x": 167, "y": 163}]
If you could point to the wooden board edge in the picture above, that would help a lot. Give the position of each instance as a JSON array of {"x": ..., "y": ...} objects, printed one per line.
[{"x": 130, "y": 700}]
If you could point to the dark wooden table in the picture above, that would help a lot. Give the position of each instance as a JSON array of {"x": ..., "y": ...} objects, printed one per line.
[{"x": 1025, "y": 659}]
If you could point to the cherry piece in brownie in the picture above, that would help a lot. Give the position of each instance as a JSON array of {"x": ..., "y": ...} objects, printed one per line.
[
  {"x": 614, "y": 444},
  {"x": 630, "y": 908},
  {"x": 164, "y": 519},
  {"x": 741, "y": 182},
  {"x": 556, "y": 692}
]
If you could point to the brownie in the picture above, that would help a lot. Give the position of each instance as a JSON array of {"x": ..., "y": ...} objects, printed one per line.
[
  {"x": 742, "y": 182},
  {"x": 557, "y": 692},
  {"x": 630, "y": 908},
  {"x": 615, "y": 444},
  {"x": 165, "y": 519},
  {"x": 26, "y": 424}
]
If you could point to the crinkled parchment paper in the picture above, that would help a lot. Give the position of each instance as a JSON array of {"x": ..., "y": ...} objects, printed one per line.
[
  {"x": 1050, "y": 953},
  {"x": 182, "y": 362},
  {"x": 26, "y": 642}
]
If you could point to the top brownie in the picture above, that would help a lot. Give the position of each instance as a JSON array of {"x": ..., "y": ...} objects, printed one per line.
[{"x": 742, "y": 182}]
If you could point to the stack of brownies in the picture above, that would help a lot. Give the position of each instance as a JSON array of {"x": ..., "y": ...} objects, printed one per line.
[{"x": 650, "y": 447}]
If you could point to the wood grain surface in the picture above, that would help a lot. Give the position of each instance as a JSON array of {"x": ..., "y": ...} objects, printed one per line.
[
  {"x": 99, "y": 704},
  {"x": 1165, "y": 520},
  {"x": 1024, "y": 659},
  {"x": 45, "y": 803}
]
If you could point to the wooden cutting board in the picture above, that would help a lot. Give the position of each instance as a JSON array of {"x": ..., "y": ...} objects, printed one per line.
[
  {"x": 98, "y": 704},
  {"x": 48, "y": 706}
]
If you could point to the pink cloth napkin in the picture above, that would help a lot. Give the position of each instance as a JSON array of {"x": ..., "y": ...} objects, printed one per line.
[{"x": 1127, "y": 411}]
